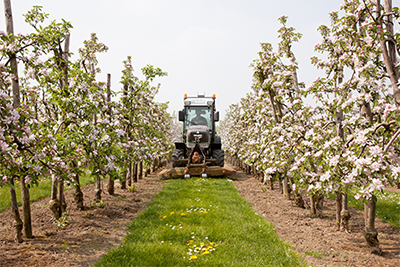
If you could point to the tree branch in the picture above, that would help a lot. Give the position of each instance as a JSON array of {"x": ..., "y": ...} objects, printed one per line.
[
  {"x": 298, "y": 139},
  {"x": 385, "y": 125},
  {"x": 392, "y": 140},
  {"x": 327, "y": 124}
]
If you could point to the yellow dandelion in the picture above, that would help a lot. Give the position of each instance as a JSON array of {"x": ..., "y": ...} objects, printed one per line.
[
  {"x": 216, "y": 245},
  {"x": 165, "y": 216},
  {"x": 193, "y": 257},
  {"x": 205, "y": 252},
  {"x": 171, "y": 213},
  {"x": 183, "y": 214}
]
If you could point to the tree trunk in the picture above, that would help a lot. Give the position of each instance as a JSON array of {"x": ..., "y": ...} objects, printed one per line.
[
  {"x": 298, "y": 199},
  {"x": 344, "y": 214},
  {"x": 64, "y": 84},
  {"x": 78, "y": 195},
  {"x": 389, "y": 52},
  {"x": 366, "y": 112},
  {"x": 338, "y": 209},
  {"x": 160, "y": 164},
  {"x": 274, "y": 108},
  {"x": 320, "y": 205},
  {"x": 141, "y": 170},
  {"x": 16, "y": 104},
  {"x": 154, "y": 165},
  {"x": 61, "y": 198},
  {"x": 17, "y": 218},
  {"x": 312, "y": 205},
  {"x": 365, "y": 213},
  {"x": 97, "y": 196},
  {"x": 370, "y": 233},
  {"x": 286, "y": 188},
  {"x": 135, "y": 172},
  {"x": 122, "y": 180},
  {"x": 26, "y": 208},
  {"x": 317, "y": 204},
  {"x": 54, "y": 204},
  {"x": 13, "y": 59},
  {"x": 130, "y": 174},
  {"x": 110, "y": 186}
]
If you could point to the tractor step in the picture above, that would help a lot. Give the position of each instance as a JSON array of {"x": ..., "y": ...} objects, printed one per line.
[{"x": 179, "y": 172}]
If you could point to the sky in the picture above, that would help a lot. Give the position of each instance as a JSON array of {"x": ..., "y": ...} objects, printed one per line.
[{"x": 206, "y": 46}]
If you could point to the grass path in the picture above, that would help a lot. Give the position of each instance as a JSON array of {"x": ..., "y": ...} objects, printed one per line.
[{"x": 200, "y": 222}]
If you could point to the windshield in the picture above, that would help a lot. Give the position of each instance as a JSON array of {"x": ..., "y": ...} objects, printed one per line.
[{"x": 197, "y": 116}]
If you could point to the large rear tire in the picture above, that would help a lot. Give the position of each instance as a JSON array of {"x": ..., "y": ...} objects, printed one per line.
[
  {"x": 219, "y": 155},
  {"x": 177, "y": 154}
]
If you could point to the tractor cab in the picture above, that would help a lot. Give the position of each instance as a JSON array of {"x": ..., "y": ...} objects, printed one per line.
[{"x": 199, "y": 110}]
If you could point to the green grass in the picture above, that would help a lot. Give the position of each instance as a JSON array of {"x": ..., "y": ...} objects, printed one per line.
[
  {"x": 194, "y": 211},
  {"x": 36, "y": 192},
  {"x": 387, "y": 206}
]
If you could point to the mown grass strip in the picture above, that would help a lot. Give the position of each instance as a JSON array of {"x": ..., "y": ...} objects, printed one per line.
[
  {"x": 36, "y": 192},
  {"x": 200, "y": 222}
]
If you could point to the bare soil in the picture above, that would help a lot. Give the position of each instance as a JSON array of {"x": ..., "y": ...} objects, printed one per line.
[
  {"x": 92, "y": 232},
  {"x": 317, "y": 240}
]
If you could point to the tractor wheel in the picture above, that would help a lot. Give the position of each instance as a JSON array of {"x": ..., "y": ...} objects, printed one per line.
[
  {"x": 177, "y": 154},
  {"x": 219, "y": 155}
]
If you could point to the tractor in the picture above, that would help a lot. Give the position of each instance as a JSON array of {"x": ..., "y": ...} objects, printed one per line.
[{"x": 198, "y": 150}]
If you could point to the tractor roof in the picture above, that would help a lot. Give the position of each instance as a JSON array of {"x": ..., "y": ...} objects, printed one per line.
[{"x": 199, "y": 100}]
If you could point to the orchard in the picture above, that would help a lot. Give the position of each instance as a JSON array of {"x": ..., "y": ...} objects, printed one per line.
[
  {"x": 337, "y": 138},
  {"x": 58, "y": 119},
  {"x": 346, "y": 142}
]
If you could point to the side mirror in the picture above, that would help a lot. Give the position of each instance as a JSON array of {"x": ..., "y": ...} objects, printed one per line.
[
  {"x": 216, "y": 116},
  {"x": 181, "y": 115}
]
